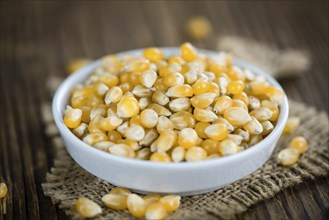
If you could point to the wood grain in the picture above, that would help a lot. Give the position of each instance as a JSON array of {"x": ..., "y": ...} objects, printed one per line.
[{"x": 37, "y": 39}]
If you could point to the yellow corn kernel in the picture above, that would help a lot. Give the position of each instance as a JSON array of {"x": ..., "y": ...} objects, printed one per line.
[
  {"x": 91, "y": 139},
  {"x": 173, "y": 79},
  {"x": 273, "y": 107},
  {"x": 178, "y": 154},
  {"x": 120, "y": 191},
  {"x": 204, "y": 115},
  {"x": 95, "y": 125},
  {"x": 160, "y": 98},
  {"x": 227, "y": 147},
  {"x": 99, "y": 110},
  {"x": 222, "y": 103},
  {"x": 149, "y": 118},
  {"x": 101, "y": 88},
  {"x": 125, "y": 87},
  {"x": 210, "y": 146},
  {"x": 114, "y": 201},
  {"x": 255, "y": 139},
  {"x": 187, "y": 137},
  {"x": 150, "y": 136},
  {"x": 130, "y": 143},
  {"x": 144, "y": 154},
  {"x": 122, "y": 150},
  {"x": 127, "y": 107},
  {"x": 222, "y": 120},
  {"x": 182, "y": 120},
  {"x": 199, "y": 27},
  {"x": 275, "y": 94},
  {"x": 135, "y": 133},
  {"x": 136, "y": 205},
  {"x": 160, "y": 157},
  {"x": 216, "y": 132},
  {"x": 292, "y": 124},
  {"x": 213, "y": 88},
  {"x": 87, "y": 208},
  {"x": 144, "y": 102},
  {"x": 236, "y": 74},
  {"x": 114, "y": 136},
  {"x": 262, "y": 113},
  {"x": 244, "y": 134},
  {"x": 135, "y": 120},
  {"x": 165, "y": 141},
  {"x": 240, "y": 104},
  {"x": 267, "y": 127},
  {"x": 164, "y": 123},
  {"x": 203, "y": 100},
  {"x": 171, "y": 202},
  {"x": 72, "y": 118},
  {"x": 288, "y": 156},
  {"x": 110, "y": 123},
  {"x": 148, "y": 78},
  {"x": 80, "y": 130},
  {"x": 111, "y": 63},
  {"x": 153, "y": 54},
  {"x": 190, "y": 76},
  {"x": 3, "y": 190},
  {"x": 141, "y": 91},
  {"x": 85, "y": 118},
  {"x": 160, "y": 110},
  {"x": 200, "y": 127},
  {"x": 134, "y": 78},
  {"x": 235, "y": 138},
  {"x": 124, "y": 77},
  {"x": 113, "y": 95},
  {"x": 243, "y": 97},
  {"x": 180, "y": 91},
  {"x": 254, "y": 103},
  {"x": 235, "y": 87},
  {"x": 236, "y": 116},
  {"x": 188, "y": 52},
  {"x": 110, "y": 80},
  {"x": 200, "y": 86},
  {"x": 156, "y": 210},
  {"x": 103, "y": 145},
  {"x": 299, "y": 143},
  {"x": 77, "y": 64},
  {"x": 176, "y": 59},
  {"x": 195, "y": 154},
  {"x": 151, "y": 198},
  {"x": 253, "y": 126},
  {"x": 160, "y": 86},
  {"x": 138, "y": 65},
  {"x": 259, "y": 88},
  {"x": 179, "y": 104}
]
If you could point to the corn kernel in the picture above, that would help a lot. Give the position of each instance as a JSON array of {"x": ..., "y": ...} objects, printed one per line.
[
  {"x": 138, "y": 65},
  {"x": 253, "y": 126},
  {"x": 222, "y": 103},
  {"x": 160, "y": 110},
  {"x": 195, "y": 154},
  {"x": 164, "y": 123},
  {"x": 187, "y": 138},
  {"x": 160, "y": 86},
  {"x": 243, "y": 97},
  {"x": 149, "y": 118},
  {"x": 160, "y": 98},
  {"x": 236, "y": 116},
  {"x": 156, "y": 210},
  {"x": 176, "y": 59},
  {"x": 227, "y": 147},
  {"x": 275, "y": 94},
  {"x": 135, "y": 133},
  {"x": 203, "y": 100},
  {"x": 262, "y": 113},
  {"x": 166, "y": 140},
  {"x": 190, "y": 76},
  {"x": 200, "y": 86},
  {"x": 113, "y": 95},
  {"x": 273, "y": 107},
  {"x": 127, "y": 107},
  {"x": 299, "y": 143},
  {"x": 151, "y": 198},
  {"x": 110, "y": 80},
  {"x": 178, "y": 154},
  {"x": 95, "y": 125},
  {"x": 144, "y": 154},
  {"x": 122, "y": 150},
  {"x": 199, "y": 27},
  {"x": 267, "y": 127},
  {"x": 171, "y": 202},
  {"x": 87, "y": 208},
  {"x": 3, "y": 190},
  {"x": 235, "y": 87},
  {"x": 292, "y": 124},
  {"x": 288, "y": 156},
  {"x": 182, "y": 120},
  {"x": 216, "y": 132},
  {"x": 130, "y": 143},
  {"x": 142, "y": 91},
  {"x": 125, "y": 87},
  {"x": 210, "y": 146},
  {"x": 188, "y": 52},
  {"x": 179, "y": 104},
  {"x": 222, "y": 120},
  {"x": 114, "y": 136},
  {"x": 144, "y": 102},
  {"x": 91, "y": 139},
  {"x": 235, "y": 138},
  {"x": 77, "y": 64},
  {"x": 153, "y": 54},
  {"x": 80, "y": 130},
  {"x": 180, "y": 91},
  {"x": 148, "y": 78},
  {"x": 204, "y": 115},
  {"x": 120, "y": 191},
  {"x": 160, "y": 157},
  {"x": 85, "y": 118},
  {"x": 101, "y": 88},
  {"x": 72, "y": 118},
  {"x": 259, "y": 88},
  {"x": 244, "y": 134},
  {"x": 113, "y": 201},
  {"x": 103, "y": 145},
  {"x": 110, "y": 123},
  {"x": 240, "y": 104},
  {"x": 111, "y": 63},
  {"x": 200, "y": 127},
  {"x": 136, "y": 205},
  {"x": 98, "y": 111},
  {"x": 173, "y": 79},
  {"x": 255, "y": 139}
]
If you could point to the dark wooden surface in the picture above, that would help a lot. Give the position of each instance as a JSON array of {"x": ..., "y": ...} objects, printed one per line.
[{"x": 37, "y": 38}]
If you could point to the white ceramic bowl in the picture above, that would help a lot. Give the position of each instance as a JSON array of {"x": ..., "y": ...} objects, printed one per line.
[{"x": 179, "y": 178}]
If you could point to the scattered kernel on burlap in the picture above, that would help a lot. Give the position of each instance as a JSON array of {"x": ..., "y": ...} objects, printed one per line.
[{"x": 67, "y": 181}]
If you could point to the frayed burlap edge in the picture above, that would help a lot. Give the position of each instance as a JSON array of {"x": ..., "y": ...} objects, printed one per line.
[{"x": 67, "y": 181}]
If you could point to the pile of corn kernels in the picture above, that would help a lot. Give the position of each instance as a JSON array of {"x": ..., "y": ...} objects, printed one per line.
[{"x": 187, "y": 107}]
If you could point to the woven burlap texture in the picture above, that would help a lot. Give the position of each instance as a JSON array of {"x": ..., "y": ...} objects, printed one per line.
[{"x": 67, "y": 181}]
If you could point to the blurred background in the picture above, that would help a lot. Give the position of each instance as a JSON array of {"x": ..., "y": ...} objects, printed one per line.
[{"x": 39, "y": 38}]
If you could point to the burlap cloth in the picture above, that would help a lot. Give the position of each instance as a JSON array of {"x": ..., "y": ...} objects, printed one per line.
[{"x": 67, "y": 181}]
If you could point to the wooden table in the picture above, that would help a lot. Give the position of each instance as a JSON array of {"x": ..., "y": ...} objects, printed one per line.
[{"x": 38, "y": 38}]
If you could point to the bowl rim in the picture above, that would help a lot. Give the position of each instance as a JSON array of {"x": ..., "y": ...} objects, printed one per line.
[{"x": 65, "y": 131}]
